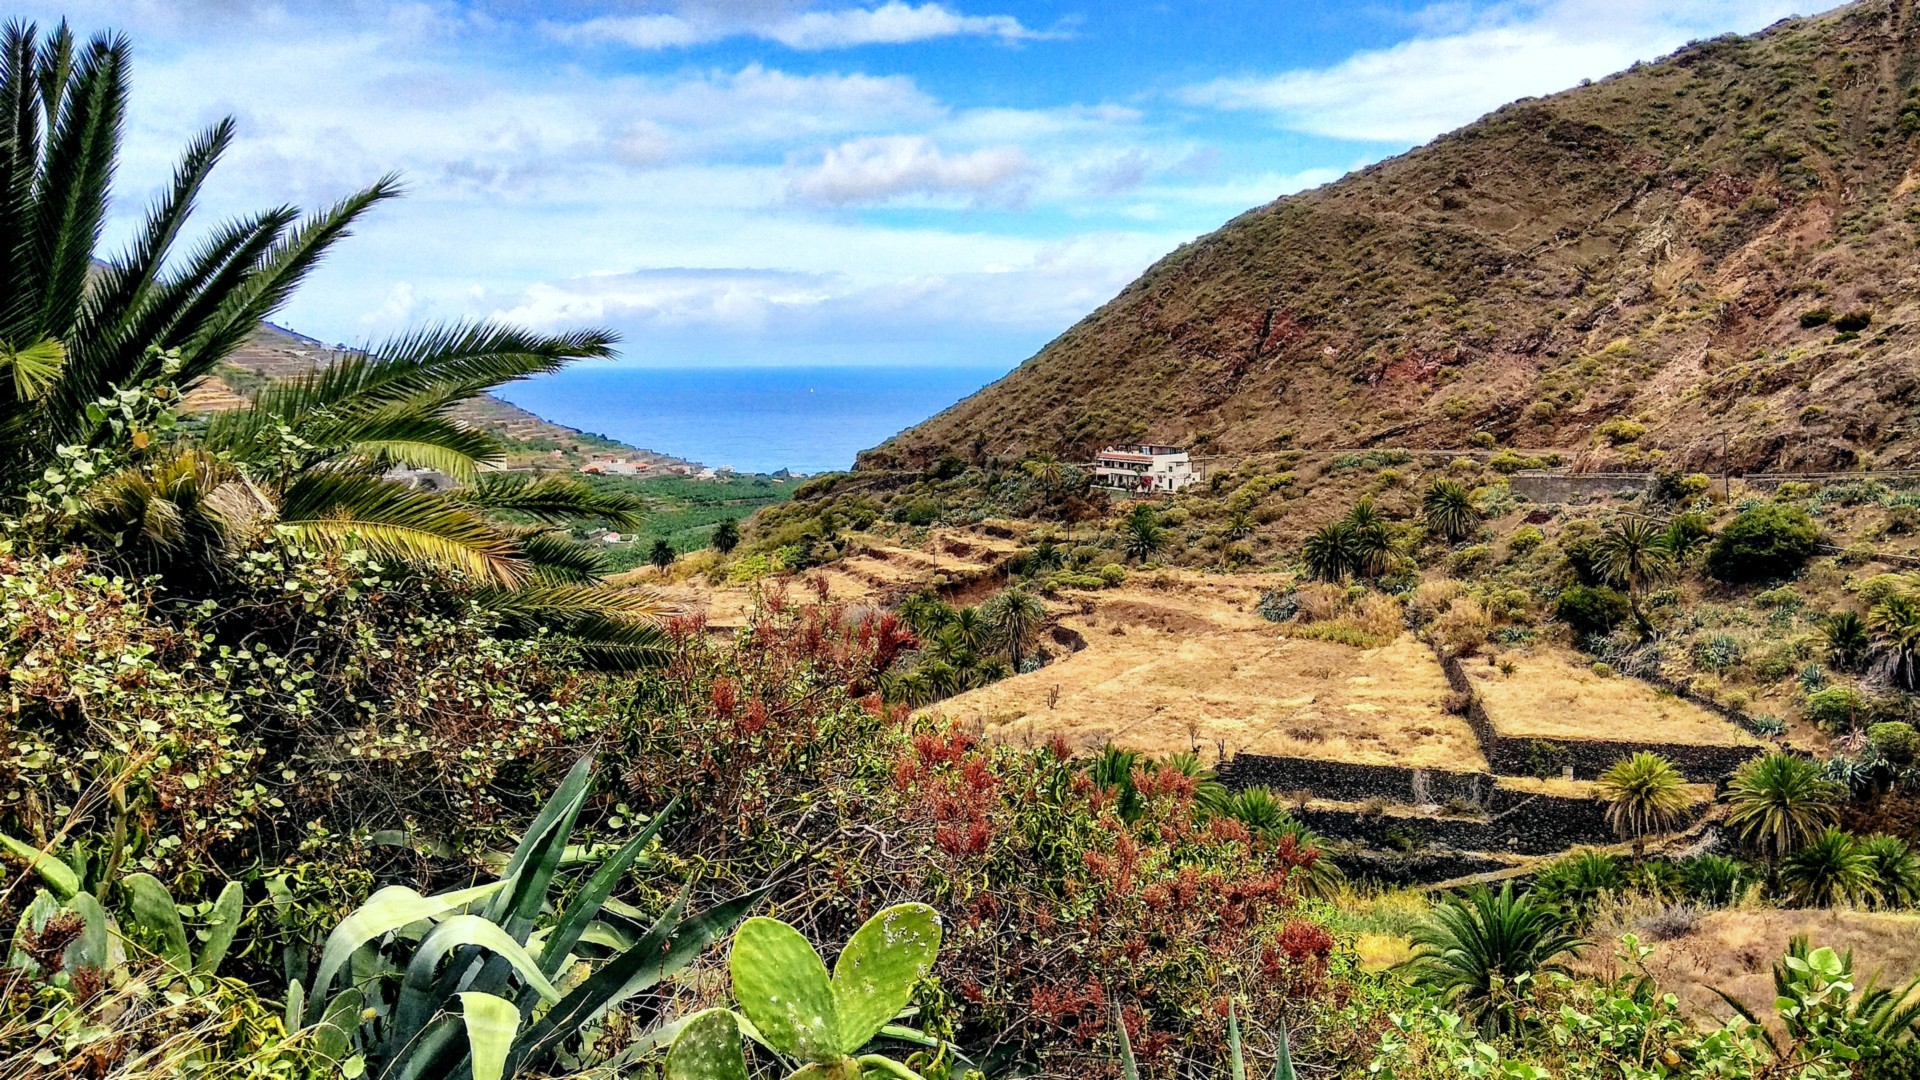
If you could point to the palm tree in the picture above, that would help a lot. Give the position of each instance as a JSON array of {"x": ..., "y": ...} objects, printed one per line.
[
  {"x": 1644, "y": 795},
  {"x": 1895, "y": 623},
  {"x": 1847, "y": 638},
  {"x": 1448, "y": 508},
  {"x": 1015, "y": 616},
  {"x": 726, "y": 536},
  {"x": 971, "y": 628},
  {"x": 1371, "y": 542},
  {"x": 1482, "y": 950},
  {"x": 1632, "y": 553},
  {"x": 1895, "y": 869},
  {"x": 1829, "y": 869},
  {"x": 1332, "y": 553},
  {"x": 1780, "y": 801},
  {"x": 1239, "y": 524},
  {"x": 926, "y": 613},
  {"x": 1715, "y": 880},
  {"x": 81, "y": 335},
  {"x": 1046, "y": 470},
  {"x": 1576, "y": 882},
  {"x": 75, "y": 328},
  {"x": 661, "y": 555},
  {"x": 1144, "y": 535}
]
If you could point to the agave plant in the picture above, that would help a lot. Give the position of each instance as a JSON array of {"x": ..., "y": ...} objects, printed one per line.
[
  {"x": 462, "y": 984},
  {"x": 1448, "y": 509},
  {"x": 796, "y": 1009},
  {"x": 1483, "y": 951}
]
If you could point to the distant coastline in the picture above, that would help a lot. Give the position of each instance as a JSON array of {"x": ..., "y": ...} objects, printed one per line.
[{"x": 765, "y": 420}]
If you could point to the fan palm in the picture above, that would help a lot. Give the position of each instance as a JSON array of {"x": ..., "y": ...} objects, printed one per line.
[
  {"x": 1780, "y": 801},
  {"x": 1644, "y": 795},
  {"x": 1484, "y": 949},
  {"x": 1895, "y": 624},
  {"x": 1632, "y": 553},
  {"x": 1828, "y": 869},
  {"x": 1448, "y": 509}
]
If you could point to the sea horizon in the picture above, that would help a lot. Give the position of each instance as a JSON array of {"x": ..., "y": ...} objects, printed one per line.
[{"x": 804, "y": 419}]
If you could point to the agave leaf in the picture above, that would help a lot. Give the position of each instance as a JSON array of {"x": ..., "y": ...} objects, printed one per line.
[
  {"x": 1283, "y": 1064},
  {"x": 154, "y": 912},
  {"x": 670, "y": 945},
  {"x": 418, "y": 1002},
  {"x": 580, "y": 914},
  {"x": 492, "y": 1022},
  {"x": 1237, "y": 1058},
  {"x": 384, "y": 912},
  {"x": 874, "y": 976},
  {"x": 1129, "y": 1068},
  {"x": 228, "y": 909},
  {"x": 708, "y": 1048},
  {"x": 60, "y": 877},
  {"x": 783, "y": 988}
]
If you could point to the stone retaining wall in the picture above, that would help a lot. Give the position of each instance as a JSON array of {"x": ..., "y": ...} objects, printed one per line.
[
  {"x": 1414, "y": 867},
  {"x": 1591, "y": 757},
  {"x": 1343, "y": 781},
  {"x": 1573, "y": 487}
]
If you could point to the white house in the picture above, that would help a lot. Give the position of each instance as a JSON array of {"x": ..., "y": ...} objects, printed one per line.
[{"x": 1145, "y": 469}]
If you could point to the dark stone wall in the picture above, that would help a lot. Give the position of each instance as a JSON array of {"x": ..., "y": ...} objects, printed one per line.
[
  {"x": 1526, "y": 825},
  {"x": 1413, "y": 867},
  {"x": 1574, "y": 487},
  {"x": 1590, "y": 758},
  {"x": 1348, "y": 782}
]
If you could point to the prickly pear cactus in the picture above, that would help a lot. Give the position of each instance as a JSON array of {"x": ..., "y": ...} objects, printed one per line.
[
  {"x": 708, "y": 1049},
  {"x": 874, "y": 977},
  {"x": 782, "y": 986}
]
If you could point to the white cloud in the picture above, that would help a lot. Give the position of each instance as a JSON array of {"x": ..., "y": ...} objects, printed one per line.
[
  {"x": 877, "y": 169},
  {"x": 892, "y": 23},
  {"x": 1471, "y": 62}
]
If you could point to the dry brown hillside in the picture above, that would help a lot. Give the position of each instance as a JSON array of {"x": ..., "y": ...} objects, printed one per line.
[{"x": 1689, "y": 245}]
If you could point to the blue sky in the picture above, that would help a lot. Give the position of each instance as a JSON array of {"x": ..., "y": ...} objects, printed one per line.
[{"x": 769, "y": 182}]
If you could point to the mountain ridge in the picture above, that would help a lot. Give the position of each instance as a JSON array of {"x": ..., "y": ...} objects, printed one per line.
[{"x": 1636, "y": 268}]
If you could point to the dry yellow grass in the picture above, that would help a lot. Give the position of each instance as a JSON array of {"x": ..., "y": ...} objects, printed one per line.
[
  {"x": 1734, "y": 950},
  {"x": 1583, "y": 789},
  {"x": 1190, "y": 665},
  {"x": 1553, "y": 694}
]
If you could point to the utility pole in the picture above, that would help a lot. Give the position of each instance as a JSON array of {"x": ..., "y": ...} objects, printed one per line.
[{"x": 1726, "y": 484}]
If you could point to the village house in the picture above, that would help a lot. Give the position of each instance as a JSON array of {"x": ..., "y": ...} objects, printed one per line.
[{"x": 1146, "y": 468}]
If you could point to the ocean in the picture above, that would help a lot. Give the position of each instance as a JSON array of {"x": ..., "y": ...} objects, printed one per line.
[{"x": 763, "y": 419}]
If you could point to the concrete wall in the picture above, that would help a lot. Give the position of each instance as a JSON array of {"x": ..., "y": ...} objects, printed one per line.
[{"x": 1573, "y": 487}]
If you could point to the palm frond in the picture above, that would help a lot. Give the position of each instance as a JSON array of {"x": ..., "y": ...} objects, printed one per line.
[
  {"x": 76, "y": 176},
  {"x": 398, "y": 437},
  {"x": 274, "y": 277},
  {"x": 189, "y": 504},
  {"x": 558, "y": 559},
  {"x": 553, "y": 499},
  {"x": 123, "y": 283},
  {"x": 335, "y": 509},
  {"x": 615, "y": 628},
  {"x": 33, "y": 369}
]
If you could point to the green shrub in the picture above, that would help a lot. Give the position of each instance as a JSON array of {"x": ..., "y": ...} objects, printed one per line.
[
  {"x": 1854, "y": 321},
  {"x": 1819, "y": 316},
  {"x": 1837, "y": 708},
  {"x": 1770, "y": 540},
  {"x": 1896, "y": 740},
  {"x": 1591, "y": 610}
]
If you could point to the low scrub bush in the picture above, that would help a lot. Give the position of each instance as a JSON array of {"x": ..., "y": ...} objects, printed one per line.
[
  {"x": 1590, "y": 609},
  {"x": 1768, "y": 541}
]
